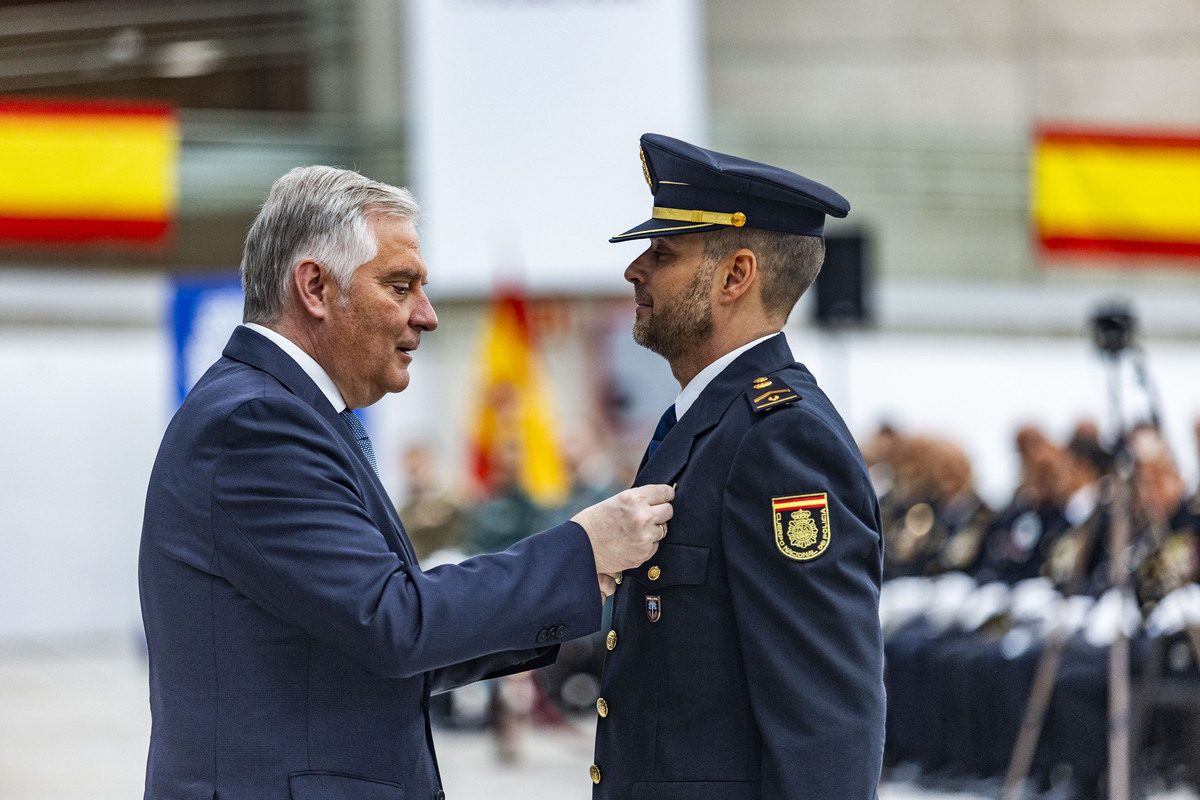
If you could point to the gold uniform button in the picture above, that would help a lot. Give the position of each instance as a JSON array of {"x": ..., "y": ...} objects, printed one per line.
[
  {"x": 610, "y": 641},
  {"x": 620, "y": 576},
  {"x": 595, "y": 771},
  {"x": 653, "y": 573},
  {"x": 602, "y": 707}
]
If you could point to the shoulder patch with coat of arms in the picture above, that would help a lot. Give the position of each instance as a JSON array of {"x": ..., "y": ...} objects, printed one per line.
[
  {"x": 768, "y": 393},
  {"x": 801, "y": 525}
]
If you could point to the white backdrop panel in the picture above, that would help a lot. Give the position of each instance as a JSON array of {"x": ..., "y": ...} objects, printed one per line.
[{"x": 526, "y": 117}]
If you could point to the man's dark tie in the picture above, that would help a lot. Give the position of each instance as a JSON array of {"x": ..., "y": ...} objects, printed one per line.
[
  {"x": 664, "y": 426},
  {"x": 360, "y": 435}
]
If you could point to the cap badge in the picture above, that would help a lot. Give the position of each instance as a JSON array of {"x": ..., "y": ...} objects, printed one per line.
[
  {"x": 653, "y": 607},
  {"x": 801, "y": 525},
  {"x": 646, "y": 169}
]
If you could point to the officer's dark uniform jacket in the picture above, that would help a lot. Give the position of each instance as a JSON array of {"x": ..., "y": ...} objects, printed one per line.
[{"x": 745, "y": 657}]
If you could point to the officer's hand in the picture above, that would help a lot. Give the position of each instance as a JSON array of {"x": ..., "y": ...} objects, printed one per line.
[
  {"x": 608, "y": 585},
  {"x": 624, "y": 529}
]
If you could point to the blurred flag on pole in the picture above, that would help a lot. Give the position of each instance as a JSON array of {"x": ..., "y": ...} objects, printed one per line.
[
  {"x": 76, "y": 172},
  {"x": 1114, "y": 191},
  {"x": 514, "y": 403}
]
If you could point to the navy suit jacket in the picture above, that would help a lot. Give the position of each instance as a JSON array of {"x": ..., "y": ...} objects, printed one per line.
[
  {"x": 745, "y": 657},
  {"x": 293, "y": 639}
]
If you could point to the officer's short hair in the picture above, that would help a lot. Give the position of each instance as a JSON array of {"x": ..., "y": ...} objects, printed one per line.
[
  {"x": 318, "y": 213},
  {"x": 788, "y": 263}
]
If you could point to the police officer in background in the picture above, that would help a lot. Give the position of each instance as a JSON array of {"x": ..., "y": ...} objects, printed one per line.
[{"x": 745, "y": 658}]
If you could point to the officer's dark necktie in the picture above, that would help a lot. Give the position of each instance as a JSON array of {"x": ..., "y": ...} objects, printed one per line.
[
  {"x": 360, "y": 435},
  {"x": 664, "y": 426}
]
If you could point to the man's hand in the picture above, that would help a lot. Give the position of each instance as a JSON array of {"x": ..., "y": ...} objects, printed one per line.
[{"x": 624, "y": 529}]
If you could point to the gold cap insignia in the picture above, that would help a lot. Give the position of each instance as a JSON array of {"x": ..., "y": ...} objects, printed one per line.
[
  {"x": 767, "y": 393},
  {"x": 801, "y": 525},
  {"x": 646, "y": 169}
]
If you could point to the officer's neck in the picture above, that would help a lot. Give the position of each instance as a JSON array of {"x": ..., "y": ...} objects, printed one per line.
[{"x": 690, "y": 364}]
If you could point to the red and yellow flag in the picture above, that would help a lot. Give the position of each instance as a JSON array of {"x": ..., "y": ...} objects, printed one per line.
[
  {"x": 1114, "y": 191},
  {"x": 79, "y": 172},
  {"x": 515, "y": 406}
]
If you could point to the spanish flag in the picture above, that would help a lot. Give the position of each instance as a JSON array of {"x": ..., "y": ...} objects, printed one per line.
[
  {"x": 81, "y": 172},
  {"x": 515, "y": 409},
  {"x": 1117, "y": 191}
]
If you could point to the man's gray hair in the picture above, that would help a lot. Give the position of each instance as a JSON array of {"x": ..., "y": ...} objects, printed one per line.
[{"x": 317, "y": 213}]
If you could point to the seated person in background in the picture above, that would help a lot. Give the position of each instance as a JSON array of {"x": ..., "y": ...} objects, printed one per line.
[
  {"x": 1023, "y": 533},
  {"x": 433, "y": 517},
  {"x": 1166, "y": 548}
]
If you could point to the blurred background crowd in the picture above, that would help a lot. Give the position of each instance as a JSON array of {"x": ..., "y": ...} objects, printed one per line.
[
  {"x": 1012, "y": 167},
  {"x": 978, "y": 598}
]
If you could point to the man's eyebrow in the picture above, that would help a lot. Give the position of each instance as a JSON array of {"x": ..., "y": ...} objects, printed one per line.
[{"x": 407, "y": 274}]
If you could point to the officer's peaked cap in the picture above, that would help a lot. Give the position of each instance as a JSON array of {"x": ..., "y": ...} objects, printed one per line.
[{"x": 697, "y": 190}]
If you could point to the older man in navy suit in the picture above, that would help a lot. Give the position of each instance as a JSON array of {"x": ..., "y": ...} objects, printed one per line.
[
  {"x": 745, "y": 657},
  {"x": 293, "y": 639}
]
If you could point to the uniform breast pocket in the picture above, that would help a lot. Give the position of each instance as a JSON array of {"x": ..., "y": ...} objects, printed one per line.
[
  {"x": 673, "y": 565},
  {"x": 337, "y": 786}
]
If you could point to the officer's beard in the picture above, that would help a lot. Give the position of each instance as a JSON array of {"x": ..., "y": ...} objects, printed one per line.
[{"x": 677, "y": 324}]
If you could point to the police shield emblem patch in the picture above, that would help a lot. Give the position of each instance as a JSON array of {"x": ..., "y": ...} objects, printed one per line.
[
  {"x": 801, "y": 525},
  {"x": 653, "y": 608}
]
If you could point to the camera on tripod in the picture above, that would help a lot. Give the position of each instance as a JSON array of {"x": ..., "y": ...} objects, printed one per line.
[{"x": 1113, "y": 326}]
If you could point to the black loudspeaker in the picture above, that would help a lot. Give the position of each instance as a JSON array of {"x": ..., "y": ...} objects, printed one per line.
[{"x": 841, "y": 285}]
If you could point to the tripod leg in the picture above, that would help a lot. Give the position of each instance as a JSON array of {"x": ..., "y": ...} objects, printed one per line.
[{"x": 1035, "y": 715}]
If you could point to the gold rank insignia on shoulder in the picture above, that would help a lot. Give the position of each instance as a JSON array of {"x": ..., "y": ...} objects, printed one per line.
[
  {"x": 801, "y": 525},
  {"x": 768, "y": 393}
]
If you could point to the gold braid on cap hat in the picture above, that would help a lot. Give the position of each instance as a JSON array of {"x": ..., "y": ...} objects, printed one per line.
[{"x": 737, "y": 219}]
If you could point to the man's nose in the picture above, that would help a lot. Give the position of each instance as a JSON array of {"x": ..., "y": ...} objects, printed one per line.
[{"x": 424, "y": 317}]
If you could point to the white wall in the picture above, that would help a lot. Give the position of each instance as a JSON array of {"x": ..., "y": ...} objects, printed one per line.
[{"x": 82, "y": 410}]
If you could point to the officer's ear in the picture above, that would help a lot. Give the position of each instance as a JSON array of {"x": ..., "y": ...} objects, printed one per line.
[
  {"x": 737, "y": 273},
  {"x": 315, "y": 287}
]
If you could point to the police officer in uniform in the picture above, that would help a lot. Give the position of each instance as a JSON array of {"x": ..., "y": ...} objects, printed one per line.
[{"x": 744, "y": 660}]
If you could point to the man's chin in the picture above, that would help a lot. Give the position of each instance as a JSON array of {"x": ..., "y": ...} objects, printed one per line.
[
  {"x": 397, "y": 382},
  {"x": 641, "y": 336}
]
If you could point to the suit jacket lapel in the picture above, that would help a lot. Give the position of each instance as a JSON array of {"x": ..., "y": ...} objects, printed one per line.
[
  {"x": 259, "y": 352},
  {"x": 672, "y": 455}
]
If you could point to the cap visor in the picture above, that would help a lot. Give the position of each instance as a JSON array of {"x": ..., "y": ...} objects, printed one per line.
[{"x": 652, "y": 228}]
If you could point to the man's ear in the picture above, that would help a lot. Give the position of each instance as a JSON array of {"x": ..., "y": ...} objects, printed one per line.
[
  {"x": 738, "y": 273},
  {"x": 314, "y": 287}
]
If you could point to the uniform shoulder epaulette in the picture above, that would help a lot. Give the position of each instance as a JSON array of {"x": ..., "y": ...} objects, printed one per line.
[{"x": 768, "y": 393}]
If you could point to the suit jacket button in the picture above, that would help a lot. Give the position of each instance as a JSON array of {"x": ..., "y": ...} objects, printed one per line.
[
  {"x": 602, "y": 707},
  {"x": 620, "y": 576},
  {"x": 610, "y": 641},
  {"x": 543, "y": 634},
  {"x": 653, "y": 573},
  {"x": 595, "y": 771}
]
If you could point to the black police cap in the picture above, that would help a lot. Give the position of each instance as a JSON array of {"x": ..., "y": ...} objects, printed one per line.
[{"x": 697, "y": 190}]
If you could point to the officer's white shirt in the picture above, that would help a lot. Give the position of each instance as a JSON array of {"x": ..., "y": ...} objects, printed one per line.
[{"x": 687, "y": 397}]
